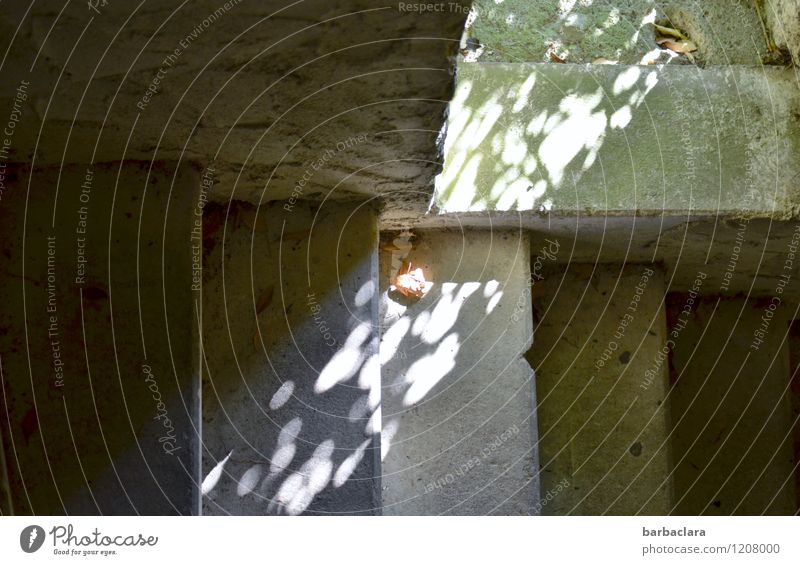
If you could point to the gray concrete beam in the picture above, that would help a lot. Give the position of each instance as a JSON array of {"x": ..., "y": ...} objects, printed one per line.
[
  {"x": 263, "y": 89},
  {"x": 459, "y": 417}
]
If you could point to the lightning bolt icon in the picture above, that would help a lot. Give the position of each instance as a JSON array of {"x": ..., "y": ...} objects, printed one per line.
[{"x": 34, "y": 535}]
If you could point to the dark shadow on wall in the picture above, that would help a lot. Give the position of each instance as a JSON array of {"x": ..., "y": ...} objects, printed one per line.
[{"x": 97, "y": 332}]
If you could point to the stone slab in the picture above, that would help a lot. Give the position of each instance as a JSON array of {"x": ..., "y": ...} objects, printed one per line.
[
  {"x": 458, "y": 408},
  {"x": 604, "y": 140}
]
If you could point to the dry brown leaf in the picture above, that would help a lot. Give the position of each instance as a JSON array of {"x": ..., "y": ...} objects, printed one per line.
[
  {"x": 555, "y": 58},
  {"x": 411, "y": 282},
  {"x": 264, "y": 300},
  {"x": 672, "y": 32},
  {"x": 677, "y": 46}
]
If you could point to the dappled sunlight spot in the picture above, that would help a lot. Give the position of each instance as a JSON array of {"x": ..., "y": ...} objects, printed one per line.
[
  {"x": 290, "y": 431},
  {"x": 374, "y": 424},
  {"x": 370, "y": 373},
  {"x": 297, "y": 492},
  {"x": 652, "y": 55},
  {"x": 539, "y": 189},
  {"x": 425, "y": 373},
  {"x": 374, "y": 395},
  {"x": 214, "y": 475},
  {"x": 612, "y": 19},
  {"x": 490, "y": 288},
  {"x": 650, "y": 81},
  {"x": 481, "y": 128},
  {"x": 515, "y": 196},
  {"x": 345, "y": 362},
  {"x": 449, "y": 287},
  {"x": 581, "y": 129},
  {"x": 420, "y": 322},
  {"x": 458, "y": 164},
  {"x": 469, "y": 176},
  {"x": 462, "y": 93},
  {"x": 565, "y": 6},
  {"x": 509, "y": 178},
  {"x": 514, "y": 147},
  {"x": 536, "y": 125},
  {"x": 392, "y": 339},
  {"x": 348, "y": 466},
  {"x": 493, "y": 302},
  {"x": 529, "y": 165},
  {"x": 359, "y": 335},
  {"x": 282, "y": 458},
  {"x": 649, "y": 18},
  {"x": 621, "y": 118},
  {"x": 282, "y": 395},
  {"x": 523, "y": 94},
  {"x": 342, "y": 366},
  {"x": 625, "y": 80},
  {"x": 249, "y": 480},
  {"x": 445, "y": 313},
  {"x": 286, "y": 449},
  {"x": 320, "y": 466},
  {"x": 288, "y": 490},
  {"x": 365, "y": 293},
  {"x": 388, "y": 431}
]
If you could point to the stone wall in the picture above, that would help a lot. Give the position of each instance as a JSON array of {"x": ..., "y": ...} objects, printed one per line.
[
  {"x": 291, "y": 385},
  {"x": 98, "y": 342}
]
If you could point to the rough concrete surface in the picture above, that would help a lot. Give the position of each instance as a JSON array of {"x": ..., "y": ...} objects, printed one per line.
[
  {"x": 459, "y": 421},
  {"x": 97, "y": 336},
  {"x": 291, "y": 390},
  {"x": 265, "y": 89},
  {"x": 603, "y": 423},
  {"x": 731, "y": 412},
  {"x": 620, "y": 140}
]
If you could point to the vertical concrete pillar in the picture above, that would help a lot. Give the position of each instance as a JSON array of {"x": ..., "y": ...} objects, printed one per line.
[
  {"x": 6, "y": 507},
  {"x": 731, "y": 408},
  {"x": 97, "y": 358},
  {"x": 292, "y": 389},
  {"x": 459, "y": 420},
  {"x": 602, "y": 421}
]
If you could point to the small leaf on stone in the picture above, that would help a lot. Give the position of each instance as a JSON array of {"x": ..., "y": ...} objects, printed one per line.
[
  {"x": 677, "y": 46},
  {"x": 411, "y": 282},
  {"x": 671, "y": 32}
]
